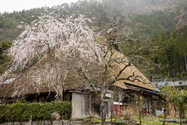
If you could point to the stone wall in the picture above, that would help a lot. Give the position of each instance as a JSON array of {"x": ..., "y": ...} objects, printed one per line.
[{"x": 65, "y": 122}]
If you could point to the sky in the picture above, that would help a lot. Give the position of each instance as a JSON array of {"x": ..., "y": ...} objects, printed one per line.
[{"x": 19, "y": 5}]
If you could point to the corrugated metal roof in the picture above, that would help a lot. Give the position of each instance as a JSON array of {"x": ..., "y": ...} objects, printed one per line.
[{"x": 177, "y": 82}]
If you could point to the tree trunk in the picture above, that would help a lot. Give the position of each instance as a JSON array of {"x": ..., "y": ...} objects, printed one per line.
[
  {"x": 1, "y": 51},
  {"x": 181, "y": 114},
  {"x": 103, "y": 112},
  {"x": 111, "y": 116},
  {"x": 119, "y": 109},
  {"x": 140, "y": 112},
  {"x": 61, "y": 91},
  {"x": 164, "y": 120},
  {"x": 185, "y": 63},
  {"x": 165, "y": 115}
]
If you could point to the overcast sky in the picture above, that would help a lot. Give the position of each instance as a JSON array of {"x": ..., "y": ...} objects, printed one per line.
[{"x": 18, "y": 5}]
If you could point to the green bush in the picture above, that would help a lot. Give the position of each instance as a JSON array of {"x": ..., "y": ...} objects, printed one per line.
[
  {"x": 174, "y": 79},
  {"x": 180, "y": 82},
  {"x": 33, "y": 110},
  {"x": 23, "y": 111},
  {"x": 179, "y": 76},
  {"x": 161, "y": 116},
  {"x": 2, "y": 110},
  {"x": 183, "y": 73}
]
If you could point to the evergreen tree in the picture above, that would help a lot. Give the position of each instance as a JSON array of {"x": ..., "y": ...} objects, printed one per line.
[{"x": 4, "y": 59}]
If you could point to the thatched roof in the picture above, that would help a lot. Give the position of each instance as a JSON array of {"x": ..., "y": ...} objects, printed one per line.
[
  {"x": 50, "y": 74},
  {"x": 141, "y": 81},
  {"x": 44, "y": 76}
]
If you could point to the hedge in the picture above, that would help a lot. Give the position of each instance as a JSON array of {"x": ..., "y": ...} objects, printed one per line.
[{"x": 24, "y": 111}]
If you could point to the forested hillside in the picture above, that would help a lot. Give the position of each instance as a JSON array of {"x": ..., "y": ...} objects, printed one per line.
[
  {"x": 161, "y": 24},
  {"x": 151, "y": 16},
  {"x": 172, "y": 18}
]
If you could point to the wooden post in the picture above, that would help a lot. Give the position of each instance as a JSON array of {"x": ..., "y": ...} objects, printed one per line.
[
  {"x": 51, "y": 120},
  {"x": 31, "y": 121},
  {"x": 111, "y": 115},
  {"x": 44, "y": 120},
  {"x": 21, "y": 121}
]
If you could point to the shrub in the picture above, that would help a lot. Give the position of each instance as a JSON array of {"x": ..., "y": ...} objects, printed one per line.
[
  {"x": 22, "y": 100},
  {"x": 2, "y": 114},
  {"x": 183, "y": 73},
  {"x": 174, "y": 79},
  {"x": 129, "y": 111},
  {"x": 24, "y": 111},
  {"x": 180, "y": 82},
  {"x": 127, "y": 114},
  {"x": 179, "y": 75},
  {"x": 161, "y": 116},
  {"x": 32, "y": 110}
]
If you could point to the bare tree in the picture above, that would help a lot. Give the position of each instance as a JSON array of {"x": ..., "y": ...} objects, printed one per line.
[
  {"x": 113, "y": 69},
  {"x": 119, "y": 95}
]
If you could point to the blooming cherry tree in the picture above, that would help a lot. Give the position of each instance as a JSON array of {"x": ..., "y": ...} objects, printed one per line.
[{"x": 48, "y": 32}]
